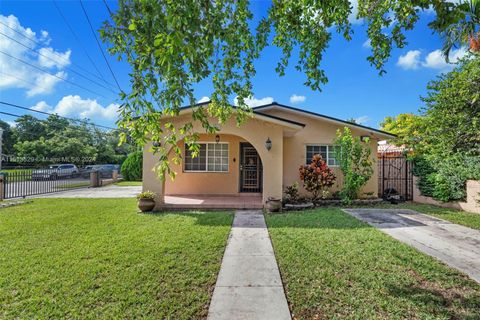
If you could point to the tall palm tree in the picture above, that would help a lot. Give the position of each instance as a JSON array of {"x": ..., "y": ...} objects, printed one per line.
[{"x": 458, "y": 24}]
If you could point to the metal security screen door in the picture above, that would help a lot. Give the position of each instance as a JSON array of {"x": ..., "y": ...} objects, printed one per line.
[{"x": 250, "y": 169}]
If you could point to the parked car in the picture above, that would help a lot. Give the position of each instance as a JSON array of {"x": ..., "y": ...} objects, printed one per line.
[
  {"x": 106, "y": 170},
  {"x": 56, "y": 171},
  {"x": 85, "y": 172}
]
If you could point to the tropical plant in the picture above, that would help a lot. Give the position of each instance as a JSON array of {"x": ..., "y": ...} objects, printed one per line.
[
  {"x": 459, "y": 25},
  {"x": 316, "y": 176},
  {"x": 291, "y": 192},
  {"x": 149, "y": 195},
  {"x": 356, "y": 163},
  {"x": 132, "y": 166},
  {"x": 173, "y": 45}
]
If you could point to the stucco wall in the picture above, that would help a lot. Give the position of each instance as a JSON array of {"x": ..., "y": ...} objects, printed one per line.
[
  {"x": 280, "y": 164},
  {"x": 255, "y": 131},
  {"x": 470, "y": 205},
  {"x": 317, "y": 131},
  {"x": 208, "y": 182}
]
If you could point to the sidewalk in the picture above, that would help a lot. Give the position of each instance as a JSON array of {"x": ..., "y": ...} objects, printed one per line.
[{"x": 249, "y": 284}]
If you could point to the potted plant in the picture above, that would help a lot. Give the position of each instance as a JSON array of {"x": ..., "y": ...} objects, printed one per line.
[
  {"x": 274, "y": 204},
  {"x": 146, "y": 201}
]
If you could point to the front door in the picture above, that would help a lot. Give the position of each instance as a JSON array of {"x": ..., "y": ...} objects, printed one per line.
[{"x": 250, "y": 169}]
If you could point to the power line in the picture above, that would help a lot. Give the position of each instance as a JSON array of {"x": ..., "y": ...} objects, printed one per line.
[
  {"x": 53, "y": 114},
  {"x": 58, "y": 55},
  {"x": 99, "y": 46},
  {"x": 56, "y": 61},
  {"x": 23, "y": 80},
  {"x": 52, "y": 74},
  {"x": 72, "y": 31},
  {"x": 11, "y": 114},
  {"x": 108, "y": 8},
  {"x": 71, "y": 127}
]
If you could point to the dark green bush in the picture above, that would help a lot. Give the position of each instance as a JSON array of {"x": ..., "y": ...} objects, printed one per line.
[
  {"x": 445, "y": 179},
  {"x": 132, "y": 166},
  {"x": 423, "y": 170}
]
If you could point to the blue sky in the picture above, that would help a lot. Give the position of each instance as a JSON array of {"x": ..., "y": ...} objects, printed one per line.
[{"x": 354, "y": 90}]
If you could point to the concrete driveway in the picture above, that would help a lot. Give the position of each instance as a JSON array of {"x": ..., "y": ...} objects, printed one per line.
[
  {"x": 455, "y": 245},
  {"x": 110, "y": 191}
]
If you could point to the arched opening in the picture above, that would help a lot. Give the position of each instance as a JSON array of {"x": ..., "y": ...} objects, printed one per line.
[
  {"x": 227, "y": 165},
  {"x": 251, "y": 169}
]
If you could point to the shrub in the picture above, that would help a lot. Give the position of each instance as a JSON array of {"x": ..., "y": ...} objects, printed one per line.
[
  {"x": 146, "y": 195},
  {"x": 316, "y": 176},
  {"x": 132, "y": 166},
  {"x": 292, "y": 193},
  {"x": 445, "y": 179},
  {"x": 355, "y": 163}
]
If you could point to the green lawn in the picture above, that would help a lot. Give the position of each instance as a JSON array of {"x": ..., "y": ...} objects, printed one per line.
[
  {"x": 99, "y": 258},
  {"x": 336, "y": 267},
  {"x": 467, "y": 219},
  {"x": 128, "y": 183}
]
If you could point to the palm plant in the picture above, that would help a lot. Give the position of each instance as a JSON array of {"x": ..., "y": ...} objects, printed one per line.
[{"x": 458, "y": 24}]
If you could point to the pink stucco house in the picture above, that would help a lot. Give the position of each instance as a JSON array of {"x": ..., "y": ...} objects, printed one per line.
[{"x": 254, "y": 161}]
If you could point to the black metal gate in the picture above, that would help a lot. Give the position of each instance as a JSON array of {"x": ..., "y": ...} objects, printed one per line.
[
  {"x": 251, "y": 170},
  {"x": 395, "y": 176},
  {"x": 29, "y": 182}
]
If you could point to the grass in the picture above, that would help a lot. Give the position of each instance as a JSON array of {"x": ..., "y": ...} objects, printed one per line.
[
  {"x": 335, "y": 267},
  {"x": 74, "y": 185},
  {"x": 98, "y": 258},
  {"x": 128, "y": 183},
  {"x": 468, "y": 219}
]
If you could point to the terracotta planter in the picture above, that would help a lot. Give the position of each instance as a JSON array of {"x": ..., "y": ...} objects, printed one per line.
[
  {"x": 146, "y": 205},
  {"x": 274, "y": 205}
]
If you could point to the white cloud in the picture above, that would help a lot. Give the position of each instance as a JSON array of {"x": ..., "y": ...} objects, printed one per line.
[
  {"x": 54, "y": 59},
  {"x": 204, "y": 99},
  {"x": 253, "y": 102},
  {"x": 362, "y": 120},
  {"x": 297, "y": 99},
  {"x": 410, "y": 61},
  {"x": 17, "y": 75},
  {"x": 76, "y": 107},
  {"x": 44, "y": 83},
  {"x": 435, "y": 59}
]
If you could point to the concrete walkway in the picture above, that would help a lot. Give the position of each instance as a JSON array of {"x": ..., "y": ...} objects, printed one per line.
[
  {"x": 249, "y": 284},
  {"x": 455, "y": 245},
  {"x": 110, "y": 191}
]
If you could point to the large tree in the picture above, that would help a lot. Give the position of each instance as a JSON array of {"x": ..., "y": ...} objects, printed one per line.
[
  {"x": 173, "y": 45},
  {"x": 7, "y": 138},
  {"x": 446, "y": 135},
  {"x": 407, "y": 127}
]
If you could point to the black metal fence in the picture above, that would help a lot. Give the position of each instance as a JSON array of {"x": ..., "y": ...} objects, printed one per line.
[
  {"x": 395, "y": 176},
  {"x": 28, "y": 182}
]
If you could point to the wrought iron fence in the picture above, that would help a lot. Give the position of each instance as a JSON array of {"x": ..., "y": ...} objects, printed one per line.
[
  {"x": 395, "y": 176},
  {"x": 28, "y": 182}
]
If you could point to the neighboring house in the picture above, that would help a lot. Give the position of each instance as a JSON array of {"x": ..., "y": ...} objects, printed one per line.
[
  {"x": 390, "y": 150},
  {"x": 261, "y": 156}
]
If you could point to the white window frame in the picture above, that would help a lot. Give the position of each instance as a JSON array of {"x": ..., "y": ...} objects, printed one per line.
[
  {"x": 328, "y": 152},
  {"x": 206, "y": 143}
]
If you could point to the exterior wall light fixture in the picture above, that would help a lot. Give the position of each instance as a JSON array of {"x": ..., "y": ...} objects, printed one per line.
[{"x": 268, "y": 144}]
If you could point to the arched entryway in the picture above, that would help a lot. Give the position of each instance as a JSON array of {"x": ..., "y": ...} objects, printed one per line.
[
  {"x": 251, "y": 169},
  {"x": 254, "y": 131}
]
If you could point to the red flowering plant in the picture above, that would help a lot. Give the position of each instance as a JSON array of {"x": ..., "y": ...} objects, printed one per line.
[{"x": 316, "y": 176}]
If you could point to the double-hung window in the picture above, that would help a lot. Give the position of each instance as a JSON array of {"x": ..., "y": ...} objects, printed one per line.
[
  {"x": 326, "y": 151},
  {"x": 213, "y": 157}
]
